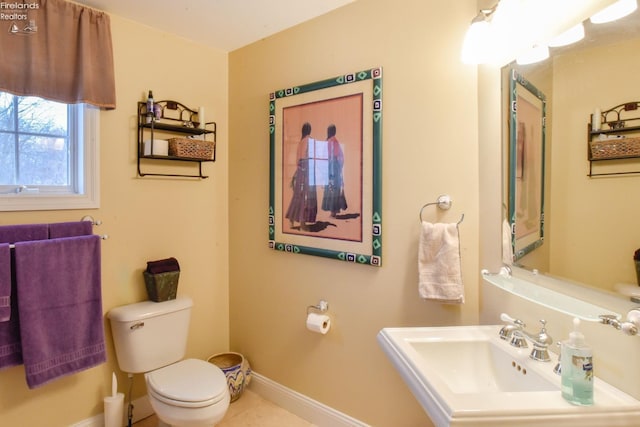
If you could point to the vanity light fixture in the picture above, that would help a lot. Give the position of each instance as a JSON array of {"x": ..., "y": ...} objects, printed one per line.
[
  {"x": 617, "y": 10},
  {"x": 537, "y": 53},
  {"x": 477, "y": 39},
  {"x": 572, "y": 35}
]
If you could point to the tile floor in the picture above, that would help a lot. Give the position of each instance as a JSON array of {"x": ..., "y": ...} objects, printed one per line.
[{"x": 250, "y": 410}]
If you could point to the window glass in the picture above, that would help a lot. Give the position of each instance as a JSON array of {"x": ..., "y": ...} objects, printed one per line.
[{"x": 47, "y": 148}]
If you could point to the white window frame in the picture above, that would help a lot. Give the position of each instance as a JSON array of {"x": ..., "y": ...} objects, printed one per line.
[{"x": 87, "y": 194}]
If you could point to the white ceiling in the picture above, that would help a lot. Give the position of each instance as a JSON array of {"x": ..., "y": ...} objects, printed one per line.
[{"x": 222, "y": 24}]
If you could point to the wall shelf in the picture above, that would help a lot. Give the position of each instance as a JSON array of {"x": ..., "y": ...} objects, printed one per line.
[
  {"x": 172, "y": 119},
  {"x": 603, "y": 146},
  {"x": 532, "y": 290}
]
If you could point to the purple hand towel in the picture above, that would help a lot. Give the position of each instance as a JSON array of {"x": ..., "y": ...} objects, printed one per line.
[
  {"x": 10, "y": 345},
  {"x": 23, "y": 232},
  {"x": 5, "y": 282},
  {"x": 60, "y": 307},
  {"x": 163, "y": 266},
  {"x": 70, "y": 229}
]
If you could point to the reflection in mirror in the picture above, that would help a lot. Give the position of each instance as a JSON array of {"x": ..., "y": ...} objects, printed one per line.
[
  {"x": 526, "y": 165},
  {"x": 591, "y": 227}
]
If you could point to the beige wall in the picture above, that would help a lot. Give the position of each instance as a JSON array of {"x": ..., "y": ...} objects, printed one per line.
[
  {"x": 145, "y": 219},
  {"x": 429, "y": 148},
  {"x": 595, "y": 219}
]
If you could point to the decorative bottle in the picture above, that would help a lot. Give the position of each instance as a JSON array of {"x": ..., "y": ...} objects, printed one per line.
[
  {"x": 150, "y": 112},
  {"x": 577, "y": 368}
]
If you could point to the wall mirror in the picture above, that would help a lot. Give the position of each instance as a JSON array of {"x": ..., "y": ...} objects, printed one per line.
[{"x": 590, "y": 223}]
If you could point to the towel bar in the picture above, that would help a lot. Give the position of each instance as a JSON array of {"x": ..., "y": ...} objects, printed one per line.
[
  {"x": 102, "y": 236},
  {"x": 444, "y": 203},
  {"x": 84, "y": 218}
]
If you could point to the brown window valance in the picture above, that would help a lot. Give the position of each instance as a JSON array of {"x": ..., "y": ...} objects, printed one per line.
[{"x": 57, "y": 50}]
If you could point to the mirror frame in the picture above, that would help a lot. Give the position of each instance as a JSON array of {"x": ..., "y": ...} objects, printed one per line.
[{"x": 521, "y": 93}]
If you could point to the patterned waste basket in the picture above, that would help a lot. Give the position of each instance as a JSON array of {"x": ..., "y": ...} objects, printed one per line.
[{"x": 237, "y": 370}]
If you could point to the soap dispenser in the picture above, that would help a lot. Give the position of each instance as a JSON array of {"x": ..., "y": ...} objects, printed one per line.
[{"x": 577, "y": 368}]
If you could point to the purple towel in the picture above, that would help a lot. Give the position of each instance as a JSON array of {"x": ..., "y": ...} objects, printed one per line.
[
  {"x": 23, "y": 232},
  {"x": 10, "y": 346},
  {"x": 5, "y": 282},
  {"x": 163, "y": 266},
  {"x": 60, "y": 307},
  {"x": 70, "y": 229}
]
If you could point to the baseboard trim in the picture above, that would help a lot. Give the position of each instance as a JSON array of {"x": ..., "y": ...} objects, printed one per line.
[{"x": 301, "y": 405}]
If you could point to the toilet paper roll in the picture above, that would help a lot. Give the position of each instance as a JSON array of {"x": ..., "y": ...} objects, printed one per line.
[
  {"x": 319, "y": 323},
  {"x": 160, "y": 147},
  {"x": 114, "y": 410}
]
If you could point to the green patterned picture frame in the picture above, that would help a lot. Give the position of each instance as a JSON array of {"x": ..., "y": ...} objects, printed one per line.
[
  {"x": 527, "y": 138},
  {"x": 325, "y": 174}
]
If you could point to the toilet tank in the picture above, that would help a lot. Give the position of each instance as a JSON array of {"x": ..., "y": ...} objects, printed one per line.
[{"x": 149, "y": 335}]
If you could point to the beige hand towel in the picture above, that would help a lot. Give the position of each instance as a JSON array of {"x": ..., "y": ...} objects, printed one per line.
[
  {"x": 439, "y": 263},
  {"x": 507, "y": 249}
]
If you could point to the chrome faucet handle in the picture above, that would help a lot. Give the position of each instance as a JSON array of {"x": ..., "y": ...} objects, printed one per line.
[
  {"x": 506, "y": 332},
  {"x": 541, "y": 343},
  {"x": 543, "y": 338},
  {"x": 558, "y": 368},
  {"x": 517, "y": 322},
  {"x": 630, "y": 327},
  {"x": 518, "y": 339}
]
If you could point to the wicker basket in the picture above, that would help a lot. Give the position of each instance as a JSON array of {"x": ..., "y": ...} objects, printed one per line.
[
  {"x": 237, "y": 370},
  {"x": 191, "y": 148},
  {"x": 615, "y": 148}
]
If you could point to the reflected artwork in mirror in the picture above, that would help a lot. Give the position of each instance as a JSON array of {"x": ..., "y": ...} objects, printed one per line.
[
  {"x": 590, "y": 223},
  {"x": 526, "y": 164}
]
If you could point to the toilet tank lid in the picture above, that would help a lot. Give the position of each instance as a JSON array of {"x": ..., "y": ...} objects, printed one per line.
[{"x": 147, "y": 309}]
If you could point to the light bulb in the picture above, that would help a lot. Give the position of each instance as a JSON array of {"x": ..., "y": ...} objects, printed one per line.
[
  {"x": 618, "y": 10},
  {"x": 536, "y": 54},
  {"x": 476, "y": 41},
  {"x": 572, "y": 35}
]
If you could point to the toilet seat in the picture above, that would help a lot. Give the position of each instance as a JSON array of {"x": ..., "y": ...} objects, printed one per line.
[{"x": 190, "y": 383}]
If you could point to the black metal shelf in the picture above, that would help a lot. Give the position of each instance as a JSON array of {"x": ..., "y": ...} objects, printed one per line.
[
  {"x": 617, "y": 121},
  {"x": 179, "y": 129},
  {"x": 174, "y": 118}
]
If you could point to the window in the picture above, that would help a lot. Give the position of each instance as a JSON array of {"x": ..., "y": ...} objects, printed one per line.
[
  {"x": 48, "y": 154},
  {"x": 318, "y": 162}
]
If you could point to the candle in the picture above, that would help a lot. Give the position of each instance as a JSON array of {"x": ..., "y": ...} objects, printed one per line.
[
  {"x": 201, "y": 117},
  {"x": 596, "y": 120}
]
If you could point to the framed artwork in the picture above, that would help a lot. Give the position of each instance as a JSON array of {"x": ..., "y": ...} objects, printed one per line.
[
  {"x": 325, "y": 141},
  {"x": 527, "y": 110}
]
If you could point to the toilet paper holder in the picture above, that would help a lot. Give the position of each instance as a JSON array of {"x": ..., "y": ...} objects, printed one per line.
[{"x": 321, "y": 307}]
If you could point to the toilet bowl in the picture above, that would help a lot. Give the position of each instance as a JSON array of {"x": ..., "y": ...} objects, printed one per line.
[
  {"x": 151, "y": 338},
  {"x": 190, "y": 393}
]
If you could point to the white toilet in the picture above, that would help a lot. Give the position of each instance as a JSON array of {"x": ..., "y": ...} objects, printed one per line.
[{"x": 151, "y": 337}]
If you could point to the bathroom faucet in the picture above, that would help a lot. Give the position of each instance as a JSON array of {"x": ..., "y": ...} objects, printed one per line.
[{"x": 517, "y": 336}]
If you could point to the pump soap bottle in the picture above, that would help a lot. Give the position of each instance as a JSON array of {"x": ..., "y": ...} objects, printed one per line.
[{"x": 577, "y": 368}]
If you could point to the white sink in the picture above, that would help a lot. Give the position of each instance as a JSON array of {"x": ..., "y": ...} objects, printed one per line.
[{"x": 468, "y": 376}]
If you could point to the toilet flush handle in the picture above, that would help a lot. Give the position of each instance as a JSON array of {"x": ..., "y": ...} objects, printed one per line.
[{"x": 136, "y": 326}]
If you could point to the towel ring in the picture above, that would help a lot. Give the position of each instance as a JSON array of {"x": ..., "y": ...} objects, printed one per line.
[{"x": 444, "y": 203}]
